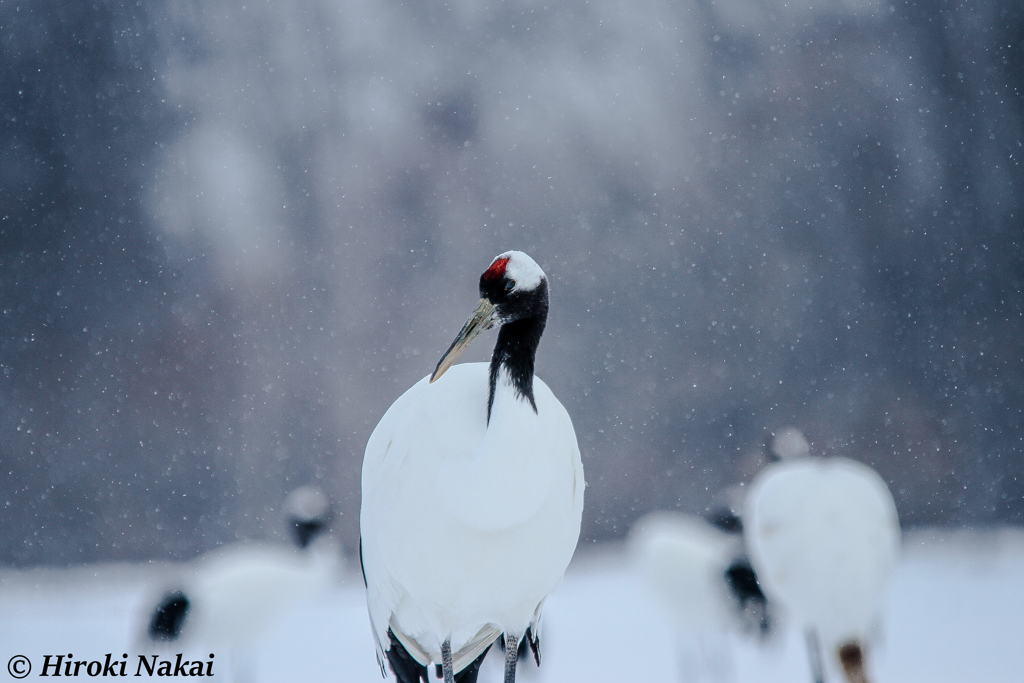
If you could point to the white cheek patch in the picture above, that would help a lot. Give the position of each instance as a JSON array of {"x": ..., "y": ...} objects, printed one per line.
[{"x": 523, "y": 269}]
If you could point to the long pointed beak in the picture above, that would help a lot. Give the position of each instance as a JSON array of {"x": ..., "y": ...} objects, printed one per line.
[{"x": 483, "y": 318}]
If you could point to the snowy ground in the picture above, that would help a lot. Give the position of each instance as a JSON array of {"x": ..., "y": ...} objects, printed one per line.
[{"x": 955, "y": 613}]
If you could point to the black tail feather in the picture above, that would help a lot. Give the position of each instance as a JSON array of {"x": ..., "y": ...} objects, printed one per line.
[
  {"x": 534, "y": 641},
  {"x": 405, "y": 668},
  {"x": 469, "y": 674},
  {"x": 408, "y": 670}
]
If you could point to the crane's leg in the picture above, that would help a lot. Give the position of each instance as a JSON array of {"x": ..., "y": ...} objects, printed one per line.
[
  {"x": 851, "y": 655},
  {"x": 814, "y": 654},
  {"x": 446, "y": 661},
  {"x": 511, "y": 655}
]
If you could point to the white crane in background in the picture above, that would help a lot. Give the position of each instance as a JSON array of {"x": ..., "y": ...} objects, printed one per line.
[
  {"x": 824, "y": 537},
  {"x": 231, "y": 597}
]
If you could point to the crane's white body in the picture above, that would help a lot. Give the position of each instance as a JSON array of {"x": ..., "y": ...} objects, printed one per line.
[
  {"x": 467, "y": 526},
  {"x": 824, "y": 538}
]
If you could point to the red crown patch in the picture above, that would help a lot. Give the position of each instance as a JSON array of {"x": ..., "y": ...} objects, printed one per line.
[{"x": 497, "y": 270}]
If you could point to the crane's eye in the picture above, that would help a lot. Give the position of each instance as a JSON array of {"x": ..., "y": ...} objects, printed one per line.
[{"x": 510, "y": 285}]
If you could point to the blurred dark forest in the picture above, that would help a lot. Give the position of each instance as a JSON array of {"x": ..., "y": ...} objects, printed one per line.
[{"x": 232, "y": 234}]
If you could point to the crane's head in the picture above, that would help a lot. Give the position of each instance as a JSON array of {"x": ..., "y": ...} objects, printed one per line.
[{"x": 512, "y": 288}]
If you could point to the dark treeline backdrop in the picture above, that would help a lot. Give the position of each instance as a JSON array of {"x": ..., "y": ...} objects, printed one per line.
[{"x": 233, "y": 232}]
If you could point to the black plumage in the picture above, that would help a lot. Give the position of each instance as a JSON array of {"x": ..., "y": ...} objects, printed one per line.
[
  {"x": 746, "y": 591},
  {"x": 169, "y": 617}
]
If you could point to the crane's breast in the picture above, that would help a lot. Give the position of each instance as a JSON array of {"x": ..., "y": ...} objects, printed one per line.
[{"x": 456, "y": 511}]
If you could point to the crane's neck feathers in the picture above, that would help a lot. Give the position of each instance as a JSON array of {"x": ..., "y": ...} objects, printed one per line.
[{"x": 516, "y": 348}]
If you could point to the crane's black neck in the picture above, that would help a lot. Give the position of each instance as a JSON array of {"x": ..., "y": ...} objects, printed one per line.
[{"x": 516, "y": 350}]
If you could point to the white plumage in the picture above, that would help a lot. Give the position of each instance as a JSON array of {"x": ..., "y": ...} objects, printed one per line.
[
  {"x": 824, "y": 538},
  {"x": 472, "y": 492}
]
